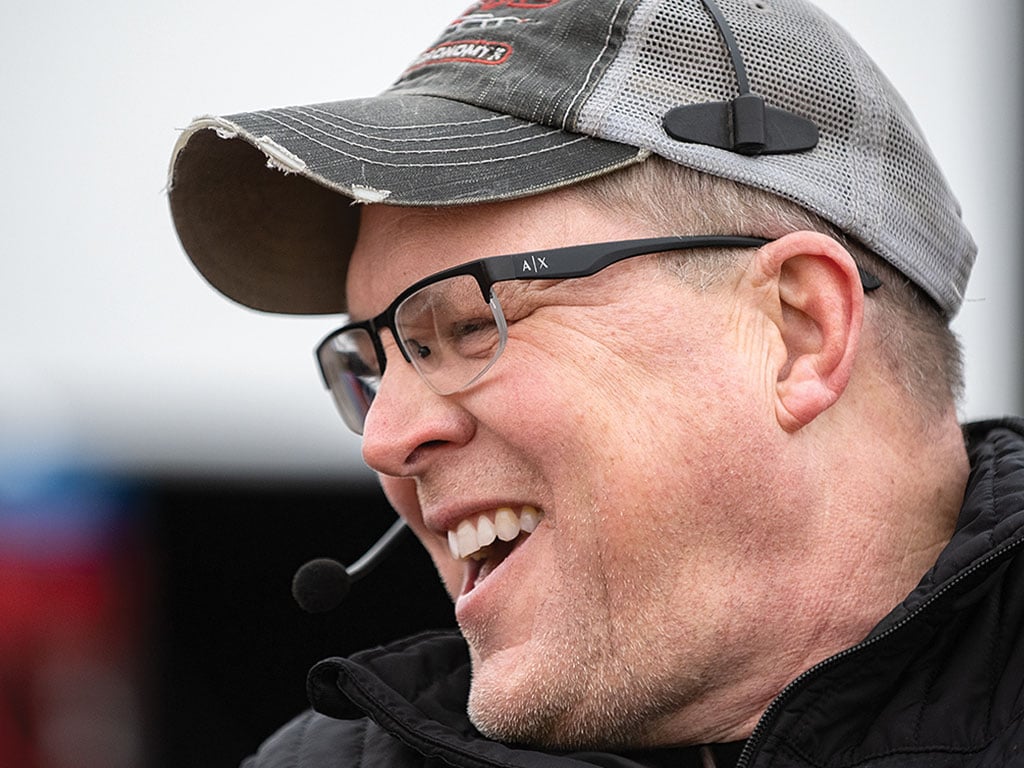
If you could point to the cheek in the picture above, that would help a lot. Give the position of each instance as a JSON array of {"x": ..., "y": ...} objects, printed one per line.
[
  {"x": 633, "y": 421},
  {"x": 580, "y": 382}
]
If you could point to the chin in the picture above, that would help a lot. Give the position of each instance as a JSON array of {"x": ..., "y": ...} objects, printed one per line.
[{"x": 553, "y": 710}]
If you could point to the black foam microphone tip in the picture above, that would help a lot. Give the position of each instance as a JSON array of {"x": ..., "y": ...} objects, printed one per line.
[{"x": 320, "y": 585}]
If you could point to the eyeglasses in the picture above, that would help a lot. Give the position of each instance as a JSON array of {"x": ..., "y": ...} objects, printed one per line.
[{"x": 450, "y": 326}]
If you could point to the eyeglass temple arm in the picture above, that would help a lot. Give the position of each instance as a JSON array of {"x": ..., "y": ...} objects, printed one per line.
[{"x": 585, "y": 260}]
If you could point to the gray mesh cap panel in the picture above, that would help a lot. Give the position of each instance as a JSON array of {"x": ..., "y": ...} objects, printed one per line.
[{"x": 872, "y": 174}]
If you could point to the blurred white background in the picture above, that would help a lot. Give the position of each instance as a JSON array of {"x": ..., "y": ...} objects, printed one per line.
[{"x": 116, "y": 354}]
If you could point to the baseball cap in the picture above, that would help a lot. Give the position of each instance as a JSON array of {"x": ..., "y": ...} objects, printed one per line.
[{"x": 517, "y": 97}]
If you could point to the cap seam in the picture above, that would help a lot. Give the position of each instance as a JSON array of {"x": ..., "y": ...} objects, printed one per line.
[
  {"x": 285, "y": 125},
  {"x": 593, "y": 64},
  {"x": 486, "y": 161}
]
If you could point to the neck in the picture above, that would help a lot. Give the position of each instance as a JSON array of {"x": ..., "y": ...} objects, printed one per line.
[
  {"x": 876, "y": 507},
  {"x": 885, "y": 493}
]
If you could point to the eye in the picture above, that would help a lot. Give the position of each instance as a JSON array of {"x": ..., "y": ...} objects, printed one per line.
[
  {"x": 464, "y": 328},
  {"x": 474, "y": 337}
]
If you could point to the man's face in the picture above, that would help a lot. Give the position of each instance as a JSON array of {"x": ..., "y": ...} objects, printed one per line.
[{"x": 631, "y": 413}]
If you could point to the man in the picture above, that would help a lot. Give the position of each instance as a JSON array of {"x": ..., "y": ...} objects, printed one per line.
[{"x": 648, "y": 340}]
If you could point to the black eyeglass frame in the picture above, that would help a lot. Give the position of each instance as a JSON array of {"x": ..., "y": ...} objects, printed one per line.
[{"x": 550, "y": 264}]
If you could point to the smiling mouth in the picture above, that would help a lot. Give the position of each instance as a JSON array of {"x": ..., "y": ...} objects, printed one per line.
[{"x": 484, "y": 541}]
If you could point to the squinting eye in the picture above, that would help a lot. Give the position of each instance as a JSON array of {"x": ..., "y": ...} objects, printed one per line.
[{"x": 474, "y": 338}]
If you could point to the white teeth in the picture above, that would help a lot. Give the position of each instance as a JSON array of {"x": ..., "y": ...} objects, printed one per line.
[
  {"x": 528, "y": 519},
  {"x": 466, "y": 534},
  {"x": 506, "y": 524},
  {"x": 473, "y": 535},
  {"x": 485, "y": 533}
]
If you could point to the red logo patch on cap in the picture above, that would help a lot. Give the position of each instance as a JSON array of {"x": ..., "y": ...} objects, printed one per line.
[
  {"x": 490, "y": 5},
  {"x": 468, "y": 51}
]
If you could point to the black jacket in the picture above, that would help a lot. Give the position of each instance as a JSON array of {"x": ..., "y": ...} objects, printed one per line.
[{"x": 939, "y": 682}]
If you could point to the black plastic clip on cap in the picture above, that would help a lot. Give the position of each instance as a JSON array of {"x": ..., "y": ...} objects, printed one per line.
[{"x": 745, "y": 125}]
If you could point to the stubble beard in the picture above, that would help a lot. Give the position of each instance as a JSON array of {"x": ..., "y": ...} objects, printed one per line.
[{"x": 579, "y": 686}]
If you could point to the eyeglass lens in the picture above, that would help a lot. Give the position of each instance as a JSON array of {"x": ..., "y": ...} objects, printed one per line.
[
  {"x": 448, "y": 332},
  {"x": 349, "y": 363}
]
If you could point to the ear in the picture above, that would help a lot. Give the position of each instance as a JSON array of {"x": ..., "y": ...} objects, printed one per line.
[{"x": 819, "y": 313}]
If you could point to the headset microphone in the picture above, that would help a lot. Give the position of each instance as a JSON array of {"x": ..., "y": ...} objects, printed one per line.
[{"x": 321, "y": 584}]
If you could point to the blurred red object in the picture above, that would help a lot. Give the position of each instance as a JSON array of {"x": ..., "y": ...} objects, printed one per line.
[{"x": 72, "y": 597}]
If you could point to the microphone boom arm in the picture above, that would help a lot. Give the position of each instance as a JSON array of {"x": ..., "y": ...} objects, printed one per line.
[{"x": 375, "y": 554}]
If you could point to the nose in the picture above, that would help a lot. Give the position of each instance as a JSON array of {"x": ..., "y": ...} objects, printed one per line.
[{"x": 408, "y": 424}]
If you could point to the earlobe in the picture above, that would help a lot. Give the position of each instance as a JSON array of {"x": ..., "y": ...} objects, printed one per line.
[{"x": 822, "y": 303}]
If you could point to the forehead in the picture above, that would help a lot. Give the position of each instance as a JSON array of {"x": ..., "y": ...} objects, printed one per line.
[{"x": 398, "y": 246}]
